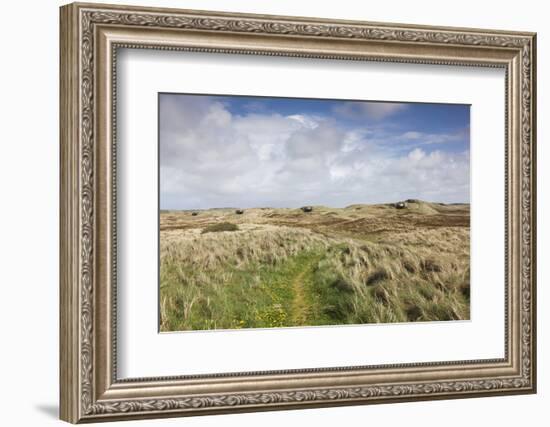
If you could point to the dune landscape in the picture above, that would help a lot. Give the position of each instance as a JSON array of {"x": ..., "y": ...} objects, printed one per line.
[{"x": 231, "y": 268}]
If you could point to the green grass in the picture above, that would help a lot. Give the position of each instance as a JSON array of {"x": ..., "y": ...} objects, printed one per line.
[
  {"x": 311, "y": 287},
  {"x": 258, "y": 296},
  {"x": 267, "y": 275},
  {"x": 397, "y": 291}
]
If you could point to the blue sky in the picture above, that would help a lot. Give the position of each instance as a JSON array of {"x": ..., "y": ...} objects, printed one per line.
[
  {"x": 427, "y": 118},
  {"x": 241, "y": 151}
]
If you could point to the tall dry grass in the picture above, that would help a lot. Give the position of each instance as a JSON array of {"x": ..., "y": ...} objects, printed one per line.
[
  {"x": 248, "y": 277},
  {"x": 415, "y": 276}
]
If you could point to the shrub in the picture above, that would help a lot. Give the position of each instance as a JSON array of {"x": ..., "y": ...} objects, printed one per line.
[{"x": 222, "y": 226}]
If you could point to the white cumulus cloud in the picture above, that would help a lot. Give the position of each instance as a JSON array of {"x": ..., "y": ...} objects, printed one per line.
[{"x": 210, "y": 157}]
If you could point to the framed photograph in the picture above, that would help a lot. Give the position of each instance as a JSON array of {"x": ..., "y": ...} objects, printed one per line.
[{"x": 266, "y": 212}]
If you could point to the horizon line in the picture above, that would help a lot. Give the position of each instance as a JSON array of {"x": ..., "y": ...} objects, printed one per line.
[{"x": 298, "y": 207}]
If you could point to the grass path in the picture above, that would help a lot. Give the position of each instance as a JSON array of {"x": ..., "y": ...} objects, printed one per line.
[{"x": 302, "y": 308}]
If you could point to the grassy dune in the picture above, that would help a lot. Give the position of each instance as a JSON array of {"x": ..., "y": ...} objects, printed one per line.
[{"x": 282, "y": 267}]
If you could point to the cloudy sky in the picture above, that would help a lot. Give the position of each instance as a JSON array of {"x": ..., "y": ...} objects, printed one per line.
[{"x": 231, "y": 151}]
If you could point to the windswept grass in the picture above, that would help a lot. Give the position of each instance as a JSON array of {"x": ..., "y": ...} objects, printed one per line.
[
  {"x": 265, "y": 273},
  {"x": 371, "y": 282},
  {"x": 232, "y": 280}
]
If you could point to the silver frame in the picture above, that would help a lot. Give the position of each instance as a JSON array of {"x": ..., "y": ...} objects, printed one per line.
[{"x": 90, "y": 37}]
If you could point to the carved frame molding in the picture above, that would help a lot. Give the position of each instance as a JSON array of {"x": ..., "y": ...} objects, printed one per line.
[{"x": 90, "y": 390}]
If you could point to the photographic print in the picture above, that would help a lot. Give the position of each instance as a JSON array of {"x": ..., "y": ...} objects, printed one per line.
[{"x": 291, "y": 212}]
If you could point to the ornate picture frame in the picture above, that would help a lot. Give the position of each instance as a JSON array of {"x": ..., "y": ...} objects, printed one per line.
[{"x": 90, "y": 37}]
